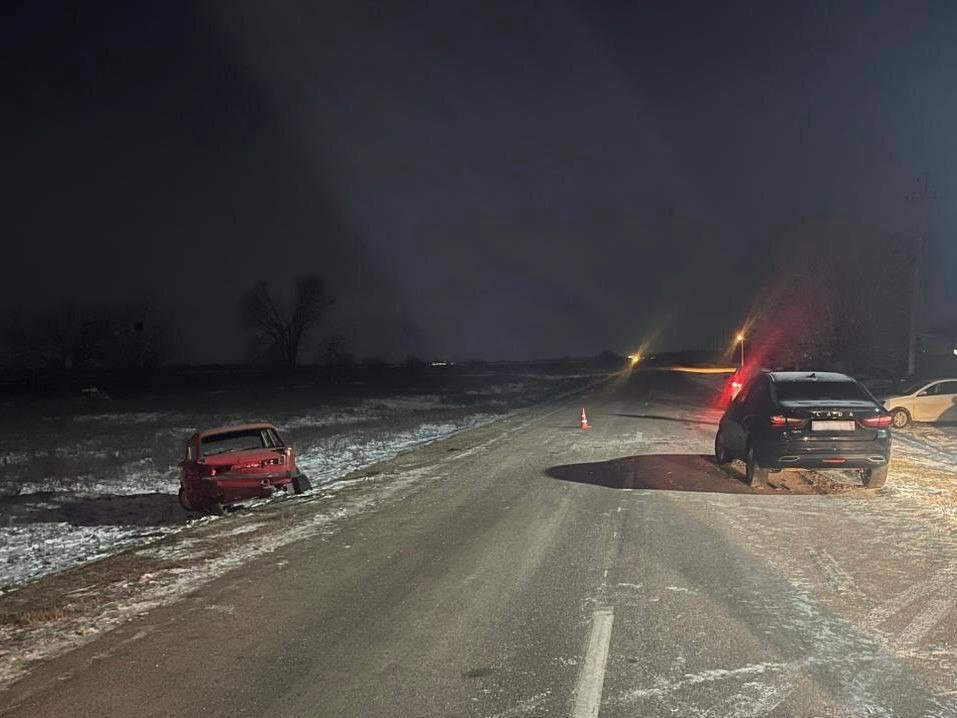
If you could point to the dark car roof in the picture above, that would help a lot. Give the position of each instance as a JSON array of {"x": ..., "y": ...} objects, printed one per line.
[{"x": 782, "y": 376}]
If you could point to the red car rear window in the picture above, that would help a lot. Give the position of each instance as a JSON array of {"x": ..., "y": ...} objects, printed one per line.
[{"x": 246, "y": 440}]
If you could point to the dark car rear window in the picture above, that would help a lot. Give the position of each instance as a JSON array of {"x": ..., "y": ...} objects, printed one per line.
[{"x": 817, "y": 390}]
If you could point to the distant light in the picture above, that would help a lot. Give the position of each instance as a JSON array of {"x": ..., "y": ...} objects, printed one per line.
[
  {"x": 703, "y": 369},
  {"x": 955, "y": 351},
  {"x": 634, "y": 358},
  {"x": 740, "y": 337},
  {"x": 440, "y": 363}
]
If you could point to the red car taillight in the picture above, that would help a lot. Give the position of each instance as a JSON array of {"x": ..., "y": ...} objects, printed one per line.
[
  {"x": 207, "y": 470},
  {"x": 270, "y": 462},
  {"x": 790, "y": 422},
  {"x": 877, "y": 422}
]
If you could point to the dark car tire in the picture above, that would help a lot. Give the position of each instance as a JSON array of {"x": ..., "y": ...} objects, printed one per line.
[
  {"x": 754, "y": 474},
  {"x": 874, "y": 478},
  {"x": 301, "y": 484},
  {"x": 900, "y": 418},
  {"x": 183, "y": 501},
  {"x": 216, "y": 509},
  {"x": 721, "y": 455}
]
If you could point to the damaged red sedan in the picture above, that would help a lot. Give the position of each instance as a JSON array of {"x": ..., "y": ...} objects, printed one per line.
[{"x": 237, "y": 463}]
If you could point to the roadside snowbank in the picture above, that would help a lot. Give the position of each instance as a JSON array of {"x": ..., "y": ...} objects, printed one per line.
[
  {"x": 50, "y": 529},
  {"x": 74, "y": 489}
]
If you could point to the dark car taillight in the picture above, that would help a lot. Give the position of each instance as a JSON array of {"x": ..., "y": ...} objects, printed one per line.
[
  {"x": 877, "y": 422},
  {"x": 789, "y": 422}
]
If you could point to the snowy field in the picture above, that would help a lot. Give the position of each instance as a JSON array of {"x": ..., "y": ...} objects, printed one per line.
[{"x": 96, "y": 478}]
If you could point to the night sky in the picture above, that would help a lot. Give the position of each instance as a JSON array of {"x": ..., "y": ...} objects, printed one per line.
[{"x": 474, "y": 180}]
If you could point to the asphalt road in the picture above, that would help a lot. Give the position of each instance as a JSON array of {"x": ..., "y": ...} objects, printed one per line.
[{"x": 540, "y": 570}]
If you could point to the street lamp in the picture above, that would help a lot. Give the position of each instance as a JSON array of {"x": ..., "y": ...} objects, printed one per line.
[{"x": 740, "y": 340}]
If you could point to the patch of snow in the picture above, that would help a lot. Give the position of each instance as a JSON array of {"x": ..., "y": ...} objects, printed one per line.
[
  {"x": 509, "y": 388},
  {"x": 59, "y": 522},
  {"x": 33, "y": 550},
  {"x": 244, "y": 529},
  {"x": 101, "y": 482},
  {"x": 330, "y": 459},
  {"x": 679, "y": 589},
  {"x": 308, "y": 421},
  {"x": 132, "y": 417},
  {"x": 413, "y": 402},
  {"x": 932, "y": 446},
  {"x": 208, "y": 560}
]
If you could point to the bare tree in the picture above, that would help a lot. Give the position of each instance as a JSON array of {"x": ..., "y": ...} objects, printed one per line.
[{"x": 281, "y": 330}]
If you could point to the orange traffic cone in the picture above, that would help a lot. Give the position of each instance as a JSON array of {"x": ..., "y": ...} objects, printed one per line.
[{"x": 584, "y": 421}]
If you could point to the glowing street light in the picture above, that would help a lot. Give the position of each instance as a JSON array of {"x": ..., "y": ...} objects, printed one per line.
[{"x": 740, "y": 340}]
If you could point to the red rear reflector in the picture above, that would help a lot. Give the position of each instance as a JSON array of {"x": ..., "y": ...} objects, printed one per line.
[
  {"x": 836, "y": 460},
  {"x": 877, "y": 422},
  {"x": 790, "y": 422}
]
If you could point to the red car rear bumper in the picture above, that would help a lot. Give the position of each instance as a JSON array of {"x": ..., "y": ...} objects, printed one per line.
[{"x": 230, "y": 488}]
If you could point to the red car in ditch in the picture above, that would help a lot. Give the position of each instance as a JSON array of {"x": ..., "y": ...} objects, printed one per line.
[{"x": 237, "y": 463}]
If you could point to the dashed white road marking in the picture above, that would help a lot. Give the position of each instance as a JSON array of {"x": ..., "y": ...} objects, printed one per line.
[{"x": 592, "y": 676}]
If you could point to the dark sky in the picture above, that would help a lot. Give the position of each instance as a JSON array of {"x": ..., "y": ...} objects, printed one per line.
[{"x": 496, "y": 179}]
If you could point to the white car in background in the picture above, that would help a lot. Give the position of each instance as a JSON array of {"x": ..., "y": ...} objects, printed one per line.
[{"x": 934, "y": 400}]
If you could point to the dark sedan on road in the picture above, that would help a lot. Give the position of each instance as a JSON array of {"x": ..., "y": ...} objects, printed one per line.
[{"x": 805, "y": 420}]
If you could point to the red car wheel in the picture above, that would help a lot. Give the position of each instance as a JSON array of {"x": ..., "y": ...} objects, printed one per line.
[{"x": 183, "y": 501}]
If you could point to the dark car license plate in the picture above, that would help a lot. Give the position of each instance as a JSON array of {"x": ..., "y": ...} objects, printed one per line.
[{"x": 833, "y": 426}]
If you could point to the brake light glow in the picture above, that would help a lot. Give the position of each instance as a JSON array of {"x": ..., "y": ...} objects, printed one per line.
[
  {"x": 733, "y": 389},
  {"x": 788, "y": 421},
  {"x": 877, "y": 422}
]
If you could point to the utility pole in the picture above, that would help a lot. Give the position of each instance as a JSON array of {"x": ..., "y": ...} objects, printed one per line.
[
  {"x": 914, "y": 307},
  {"x": 924, "y": 196}
]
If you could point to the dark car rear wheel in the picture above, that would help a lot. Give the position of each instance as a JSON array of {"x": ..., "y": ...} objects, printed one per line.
[
  {"x": 900, "y": 418},
  {"x": 184, "y": 500},
  {"x": 721, "y": 455},
  {"x": 754, "y": 474},
  {"x": 874, "y": 478},
  {"x": 301, "y": 484},
  {"x": 217, "y": 509}
]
